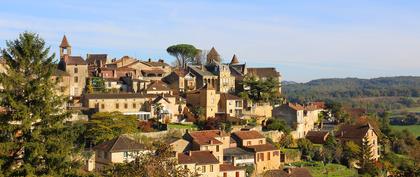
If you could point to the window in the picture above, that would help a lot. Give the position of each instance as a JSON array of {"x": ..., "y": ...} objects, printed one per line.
[
  {"x": 231, "y": 111},
  {"x": 134, "y": 105},
  {"x": 109, "y": 84},
  {"x": 268, "y": 156},
  {"x": 117, "y": 106},
  {"x": 125, "y": 105},
  {"x": 185, "y": 166},
  {"x": 237, "y": 174},
  {"x": 275, "y": 153},
  {"x": 217, "y": 148},
  {"x": 125, "y": 155},
  {"x": 204, "y": 169},
  {"x": 248, "y": 143},
  {"x": 211, "y": 168},
  {"x": 76, "y": 79},
  {"x": 206, "y": 147},
  {"x": 76, "y": 70},
  {"x": 261, "y": 141},
  {"x": 102, "y": 106},
  {"x": 105, "y": 155},
  {"x": 260, "y": 156},
  {"x": 224, "y": 174}
]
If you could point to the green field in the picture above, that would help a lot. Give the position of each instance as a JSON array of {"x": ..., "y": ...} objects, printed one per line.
[
  {"x": 317, "y": 169},
  {"x": 415, "y": 129}
]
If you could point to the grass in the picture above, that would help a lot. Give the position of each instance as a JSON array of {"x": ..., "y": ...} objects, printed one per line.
[
  {"x": 415, "y": 129},
  {"x": 181, "y": 126},
  {"x": 317, "y": 169}
]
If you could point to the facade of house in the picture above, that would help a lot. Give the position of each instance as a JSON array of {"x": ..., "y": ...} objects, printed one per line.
[
  {"x": 301, "y": 118},
  {"x": 359, "y": 133},
  {"x": 118, "y": 150},
  {"x": 266, "y": 155}
]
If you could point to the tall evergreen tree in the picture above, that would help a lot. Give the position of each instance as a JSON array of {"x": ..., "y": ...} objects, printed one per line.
[
  {"x": 34, "y": 141},
  {"x": 365, "y": 158}
]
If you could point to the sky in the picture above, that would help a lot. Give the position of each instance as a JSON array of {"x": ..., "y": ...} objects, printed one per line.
[{"x": 303, "y": 39}]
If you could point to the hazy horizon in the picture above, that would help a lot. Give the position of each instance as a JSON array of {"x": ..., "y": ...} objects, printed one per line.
[{"x": 304, "y": 40}]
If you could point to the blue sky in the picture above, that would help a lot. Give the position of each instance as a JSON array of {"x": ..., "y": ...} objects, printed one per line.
[{"x": 303, "y": 39}]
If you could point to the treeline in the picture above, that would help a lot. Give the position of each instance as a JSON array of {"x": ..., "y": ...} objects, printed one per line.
[{"x": 321, "y": 89}]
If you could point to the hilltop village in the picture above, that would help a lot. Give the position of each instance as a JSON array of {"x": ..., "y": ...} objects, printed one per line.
[{"x": 220, "y": 118}]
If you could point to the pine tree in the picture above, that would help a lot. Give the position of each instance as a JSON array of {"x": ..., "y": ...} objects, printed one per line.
[
  {"x": 34, "y": 141},
  {"x": 365, "y": 159}
]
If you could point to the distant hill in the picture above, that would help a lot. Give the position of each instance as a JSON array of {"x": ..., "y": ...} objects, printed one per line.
[{"x": 349, "y": 88}]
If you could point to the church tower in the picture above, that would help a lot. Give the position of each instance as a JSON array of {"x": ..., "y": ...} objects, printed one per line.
[{"x": 65, "y": 48}]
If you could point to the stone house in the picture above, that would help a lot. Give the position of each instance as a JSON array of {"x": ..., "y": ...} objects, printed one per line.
[
  {"x": 358, "y": 133},
  {"x": 75, "y": 66},
  {"x": 118, "y": 150},
  {"x": 266, "y": 155},
  {"x": 214, "y": 141},
  {"x": 180, "y": 80}
]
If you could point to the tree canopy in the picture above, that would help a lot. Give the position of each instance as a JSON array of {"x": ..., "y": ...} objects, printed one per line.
[
  {"x": 258, "y": 90},
  {"x": 34, "y": 141},
  {"x": 184, "y": 54}
]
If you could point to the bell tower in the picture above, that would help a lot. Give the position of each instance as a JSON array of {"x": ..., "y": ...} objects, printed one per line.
[{"x": 65, "y": 48}]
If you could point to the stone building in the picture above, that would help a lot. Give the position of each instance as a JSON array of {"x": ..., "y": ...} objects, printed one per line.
[
  {"x": 359, "y": 133},
  {"x": 75, "y": 66}
]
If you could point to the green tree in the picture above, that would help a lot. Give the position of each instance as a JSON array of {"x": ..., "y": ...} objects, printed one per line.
[
  {"x": 105, "y": 126},
  {"x": 34, "y": 141},
  {"x": 286, "y": 141},
  {"x": 184, "y": 54},
  {"x": 350, "y": 152},
  {"x": 306, "y": 148},
  {"x": 366, "y": 159},
  {"x": 277, "y": 124},
  {"x": 259, "y": 91}
]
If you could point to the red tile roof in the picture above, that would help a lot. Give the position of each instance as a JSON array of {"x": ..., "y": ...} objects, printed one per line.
[
  {"x": 234, "y": 60},
  {"x": 64, "y": 42},
  {"x": 197, "y": 157},
  {"x": 296, "y": 106},
  {"x": 206, "y": 137},
  {"x": 262, "y": 147},
  {"x": 75, "y": 60},
  {"x": 263, "y": 72},
  {"x": 353, "y": 132},
  {"x": 228, "y": 96},
  {"x": 317, "y": 137},
  {"x": 158, "y": 86},
  {"x": 229, "y": 167},
  {"x": 245, "y": 135}
]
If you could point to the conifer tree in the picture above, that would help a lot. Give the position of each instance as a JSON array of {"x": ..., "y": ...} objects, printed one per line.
[
  {"x": 366, "y": 163},
  {"x": 34, "y": 141}
]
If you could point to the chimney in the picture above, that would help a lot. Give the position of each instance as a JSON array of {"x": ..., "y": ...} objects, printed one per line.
[
  {"x": 211, "y": 141},
  {"x": 189, "y": 153},
  {"x": 161, "y": 61},
  {"x": 150, "y": 60},
  {"x": 289, "y": 170}
]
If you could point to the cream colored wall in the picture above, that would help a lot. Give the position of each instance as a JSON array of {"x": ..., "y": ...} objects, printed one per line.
[
  {"x": 264, "y": 110},
  {"x": 180, "y": 145},
  {"x": 110, "y": 104},
  {"x": 232, "y": 173},
  {"x": 208, "y": 173},
  {"x": 226, "y": 81},
  {"x": 172, "y": 108},
  {"x": 373, "y": 141},
  {"x": 253, "y": 142},
  {"x": 209, "y": 101},
  {"x": 231, "y": 106},
  {"x": 82, "y": 74},
  {"x": 213, "y": 149},
  {"x": 264, "y": 165}
]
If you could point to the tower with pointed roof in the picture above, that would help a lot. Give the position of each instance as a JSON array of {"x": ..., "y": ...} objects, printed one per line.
[
  {"x": 213, "y": 56},
  {"x": 65, "y": 48},
  {"x": 234, "y": 60}
]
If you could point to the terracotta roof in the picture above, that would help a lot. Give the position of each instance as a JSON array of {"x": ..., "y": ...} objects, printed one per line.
[
  {"x": 296, "y": 106},
  {"x": 197, "y": 157},
  {"x": 64, "y": 42},
  {"x": 228, "y": 96},
  {"x": 263, "y": 72},
  {"x": 317, "y": 137},
  {"x": 246, "y": 135},
  {"x": 229, "y": 167},
  {"x": 206, "y": 137},
  {"x": 119, "y": 144},
  {"x": 153, "y": 71},
  {"x": 158, "y": 86},
  {"x": 353, "y": 132},
  {"x": 275, "y": 173},
  {"x": 75, "y": 60},
  {"x": 234, "y": 60},
  {"x": 180, "y": 72},
  {"x": 262, "y": 147},
  {"x": 300, "y": 172},
  {"x": 155, "y": 63}
]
